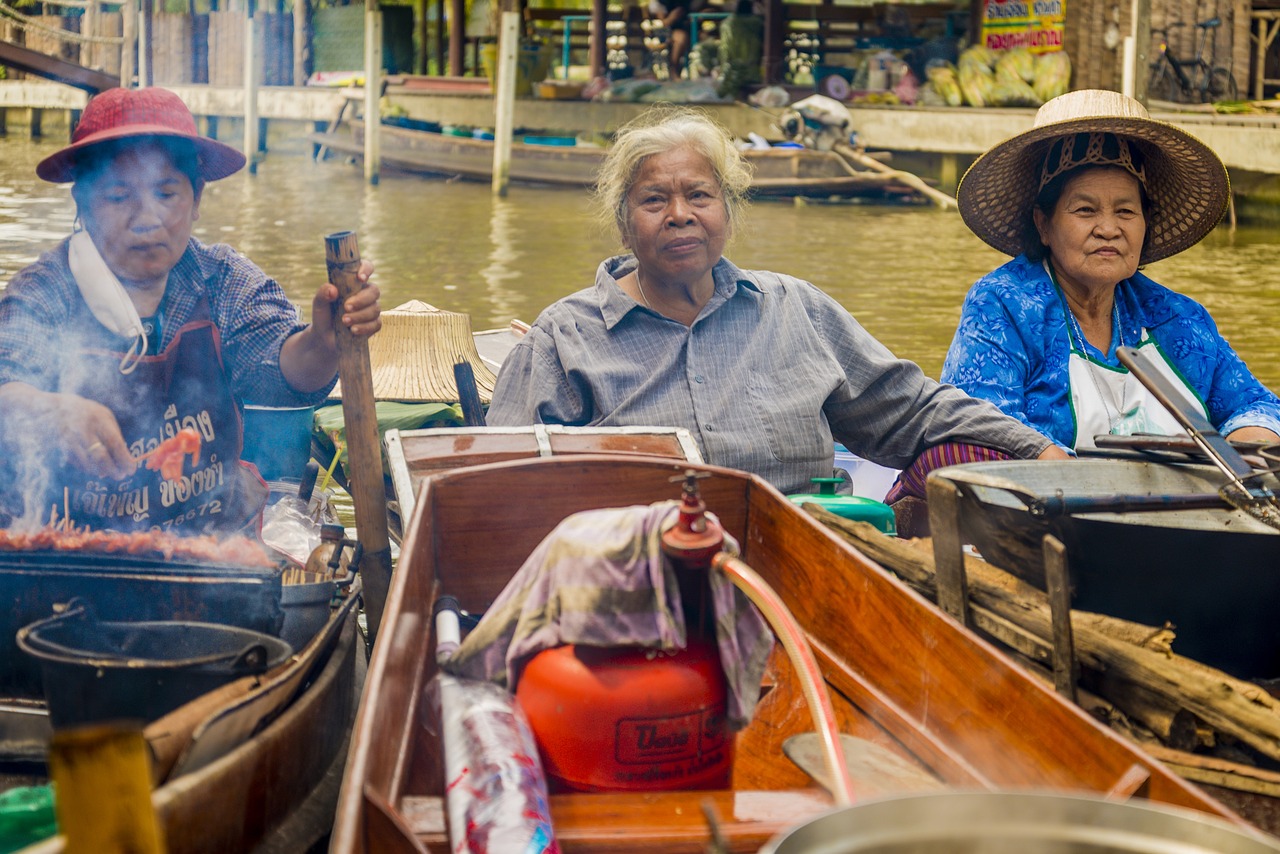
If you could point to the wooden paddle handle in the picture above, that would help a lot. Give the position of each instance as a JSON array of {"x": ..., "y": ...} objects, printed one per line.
[{"x": 360, "y": 419}]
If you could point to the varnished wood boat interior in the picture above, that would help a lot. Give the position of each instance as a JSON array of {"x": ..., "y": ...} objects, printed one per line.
[{"x": 903, "y": 676}]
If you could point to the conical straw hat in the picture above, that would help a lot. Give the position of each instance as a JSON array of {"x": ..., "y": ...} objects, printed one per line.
[
  {"x": 1186, "y": 183},
  {"x": 413, "y": 355}
]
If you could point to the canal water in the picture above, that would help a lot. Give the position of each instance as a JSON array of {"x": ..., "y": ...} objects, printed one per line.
[{"x": 902, "y": 271}]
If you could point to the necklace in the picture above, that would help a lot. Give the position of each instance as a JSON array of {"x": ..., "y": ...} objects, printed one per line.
[
  {"x": 643, "y": 298},
  {"x": 1108, "y": 399}
]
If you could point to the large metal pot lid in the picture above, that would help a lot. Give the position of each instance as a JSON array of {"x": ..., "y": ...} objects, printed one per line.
[{"x": 1016, "y": 823}]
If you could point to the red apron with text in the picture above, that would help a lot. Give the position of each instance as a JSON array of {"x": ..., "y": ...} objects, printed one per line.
[{"x": 184, "y": 386}]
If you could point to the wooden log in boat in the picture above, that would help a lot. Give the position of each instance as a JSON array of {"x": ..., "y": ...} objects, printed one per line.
[
  {"x": 777, "y": 171},
  {"x": 1130, "y": 667},
  {"x": 1210, "y": 562},
  {"x": 903, "y": 676}
]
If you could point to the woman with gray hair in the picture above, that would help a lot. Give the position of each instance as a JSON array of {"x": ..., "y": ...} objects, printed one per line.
[{"x": 764, "y": 369}]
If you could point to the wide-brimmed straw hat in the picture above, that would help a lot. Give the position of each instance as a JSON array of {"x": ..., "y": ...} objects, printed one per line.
[
  {"x": 1186, "y": 183},
  {"x": 413, "y": 355},
  {"x": 119, "y": 113}
]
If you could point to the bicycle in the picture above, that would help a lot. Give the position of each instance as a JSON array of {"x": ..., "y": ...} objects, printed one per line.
[{"x": 1190, "y": 81}]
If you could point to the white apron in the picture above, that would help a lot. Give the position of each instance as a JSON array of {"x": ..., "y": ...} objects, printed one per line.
[{"x": 1106, "y": 399}]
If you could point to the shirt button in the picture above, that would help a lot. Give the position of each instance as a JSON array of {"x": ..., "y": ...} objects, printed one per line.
[
  {"x": 697, "y": 378},
  {"x": 710, "y": 428}
]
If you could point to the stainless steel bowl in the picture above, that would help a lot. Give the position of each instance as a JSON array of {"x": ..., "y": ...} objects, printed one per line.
[{"x": 1016, "y": 823}]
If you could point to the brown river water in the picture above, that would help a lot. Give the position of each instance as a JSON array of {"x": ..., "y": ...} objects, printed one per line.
[{"x": 902, "y": 271}]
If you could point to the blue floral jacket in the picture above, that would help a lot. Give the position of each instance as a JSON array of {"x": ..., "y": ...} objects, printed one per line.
[{"x": 1011, "y": 348}]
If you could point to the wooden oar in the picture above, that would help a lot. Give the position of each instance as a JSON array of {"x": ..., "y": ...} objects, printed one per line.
[
  {"x": 360, "y": 420},
  {"x": 915, "y": 182}
]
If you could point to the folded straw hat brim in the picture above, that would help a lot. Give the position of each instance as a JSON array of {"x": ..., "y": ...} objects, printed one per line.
[{"x": 412, "y": 357}]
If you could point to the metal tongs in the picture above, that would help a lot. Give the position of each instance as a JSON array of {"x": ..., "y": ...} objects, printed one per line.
[{"x": 1258, "y": 501}]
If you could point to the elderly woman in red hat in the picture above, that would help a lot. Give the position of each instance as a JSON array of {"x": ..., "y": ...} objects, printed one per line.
[
  {"x": 1092, "y": 192},
  {"x": 131, "y": 330}
]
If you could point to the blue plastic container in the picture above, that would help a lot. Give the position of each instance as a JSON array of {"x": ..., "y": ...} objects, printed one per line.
[{"x": 277, "y": 439}]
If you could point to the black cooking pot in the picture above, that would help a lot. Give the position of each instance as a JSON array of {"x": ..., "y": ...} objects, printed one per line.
[
  {"x": 95, "y": 670},
  {"x": 129, "y": 588}
]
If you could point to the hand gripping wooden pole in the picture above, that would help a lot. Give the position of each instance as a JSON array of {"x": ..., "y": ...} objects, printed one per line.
[{"x": 364, "y": 449}]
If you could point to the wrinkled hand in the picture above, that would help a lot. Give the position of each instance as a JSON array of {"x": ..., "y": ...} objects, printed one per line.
[
  {"x": 361, "y": 312},
  {"x": 89, "y": 436}
]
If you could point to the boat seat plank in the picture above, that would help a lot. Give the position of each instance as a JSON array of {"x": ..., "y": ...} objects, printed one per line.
[{"x": 653, "y": 822}]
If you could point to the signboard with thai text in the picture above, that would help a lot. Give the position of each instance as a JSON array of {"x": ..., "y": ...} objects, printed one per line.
[{"x": 1036, "y": 24}]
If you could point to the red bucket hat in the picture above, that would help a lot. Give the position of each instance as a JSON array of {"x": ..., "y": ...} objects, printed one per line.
[{"x": 118, "y": 113}]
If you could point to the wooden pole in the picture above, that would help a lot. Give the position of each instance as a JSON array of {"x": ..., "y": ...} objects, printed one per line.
[
  {"x": 457, "y": 37},
  {"x": 103, "y": 776},
  {"x": 301, "y": 27},
  {"x": 372, "y": 91},
  {"x": 364, "y": 453},
  {"x": 438, "y": 42},
  {"x": 145, "y": 73},
  {"x": 504, "y": 102},
  {"x": 250, "y": 91},
  {"x": 595, "y": 41},
  {"x": 1141, "y": 29},
  {"x": 129, "y": 48}
]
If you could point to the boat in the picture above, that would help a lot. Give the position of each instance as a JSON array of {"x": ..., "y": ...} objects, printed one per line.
[
  {"x": 255, "y": 761},
  {"x": 778, "y": 172},
  {"x": 1196, "y": 579},
  {"x": 1225, "y": 618},
  {"x": 930, "y": 705}
]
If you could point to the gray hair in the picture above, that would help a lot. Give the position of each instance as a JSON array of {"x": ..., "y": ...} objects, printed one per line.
[{"x": 663, "y": 129}]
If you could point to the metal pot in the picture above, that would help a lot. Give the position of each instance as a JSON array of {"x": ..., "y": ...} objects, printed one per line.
[
  {"x": 1214, "y": 573},
  {"x": 95, "y": 670},
  {"x": 1016, "y": 823},
  {"x": 127, "y": 588}
]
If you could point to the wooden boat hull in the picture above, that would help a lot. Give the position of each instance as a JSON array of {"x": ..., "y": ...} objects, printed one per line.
[
  {"x": 777, "y": 172},
  {"x": 280, "y": 784},
  {"x": 1211, "y": 572},
  {"x": 904, "y": 677}
]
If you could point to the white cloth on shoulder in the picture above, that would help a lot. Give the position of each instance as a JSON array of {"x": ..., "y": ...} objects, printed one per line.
[
  {"x": 600, "y": 579},
  {"x": 106, "y": 297}
]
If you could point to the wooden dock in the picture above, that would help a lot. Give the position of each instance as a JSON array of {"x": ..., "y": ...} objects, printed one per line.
[{"x": 935, "y": 141}]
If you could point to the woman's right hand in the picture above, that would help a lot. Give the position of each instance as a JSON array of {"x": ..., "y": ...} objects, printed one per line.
[{"x": 86, "y": 431}]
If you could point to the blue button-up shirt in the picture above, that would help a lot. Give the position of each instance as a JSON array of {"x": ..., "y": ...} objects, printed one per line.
[{"x": 768, "y": 373}]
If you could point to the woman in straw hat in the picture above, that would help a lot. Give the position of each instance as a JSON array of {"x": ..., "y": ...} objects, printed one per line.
[
  {"x": 131, "y": 330},
  {"x": 1092, "y": 191},
  {"x": 762, "y": 368}
]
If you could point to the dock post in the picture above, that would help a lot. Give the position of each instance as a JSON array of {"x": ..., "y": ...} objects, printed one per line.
[
  {"x": 4, "y": 121},
  {"x": 504, "y": 102},
  {"x": 250, "y": 93},
  {"x": 372, "y": 91},
  {"x": 128, "y": 65},
  {"x": 37, "y": 118},
  {"x": 948, "y": 173}
]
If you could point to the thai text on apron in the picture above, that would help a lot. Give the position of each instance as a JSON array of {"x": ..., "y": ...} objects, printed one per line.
[{"x": 184, "y": 386}]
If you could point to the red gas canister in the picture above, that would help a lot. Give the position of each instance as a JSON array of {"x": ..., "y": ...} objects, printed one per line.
[{"x": 627, "y": 719}]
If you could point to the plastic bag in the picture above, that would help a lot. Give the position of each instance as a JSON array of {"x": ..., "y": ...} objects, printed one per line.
[{"x": 26, "y": 817}]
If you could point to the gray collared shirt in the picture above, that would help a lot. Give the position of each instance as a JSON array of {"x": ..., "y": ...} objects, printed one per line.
[{"x": 771, "y": 370}]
